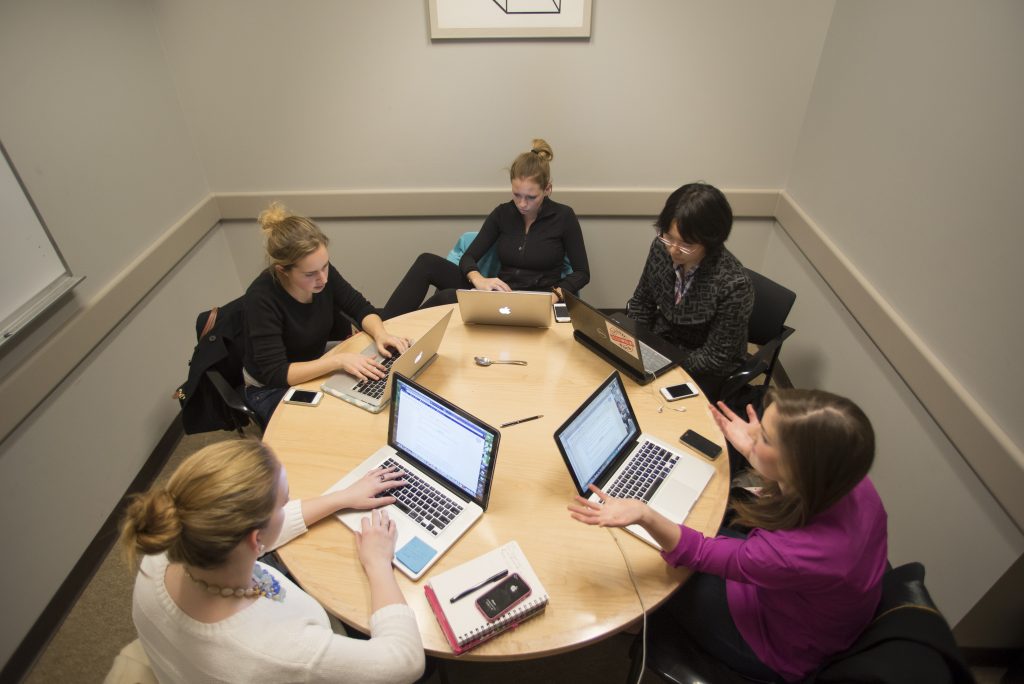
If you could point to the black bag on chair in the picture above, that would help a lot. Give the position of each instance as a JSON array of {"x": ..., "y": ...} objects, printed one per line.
[{"x": 210, "y": 398}]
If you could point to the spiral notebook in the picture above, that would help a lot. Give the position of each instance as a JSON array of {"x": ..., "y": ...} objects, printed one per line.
[{"x": 464, "y": 626}]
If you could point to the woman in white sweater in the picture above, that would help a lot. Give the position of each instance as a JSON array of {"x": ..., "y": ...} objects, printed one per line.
[{"x": 207, "y": 611}]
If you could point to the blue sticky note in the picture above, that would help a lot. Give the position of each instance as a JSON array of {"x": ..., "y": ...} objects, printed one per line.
[{"x": 415, "y": 554}]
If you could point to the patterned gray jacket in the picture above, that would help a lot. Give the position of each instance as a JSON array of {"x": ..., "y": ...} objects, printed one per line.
[{"x": 710, "y": 322}]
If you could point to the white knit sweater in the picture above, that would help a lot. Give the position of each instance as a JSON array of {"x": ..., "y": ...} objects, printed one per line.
[{"x": 271, "y": 641}]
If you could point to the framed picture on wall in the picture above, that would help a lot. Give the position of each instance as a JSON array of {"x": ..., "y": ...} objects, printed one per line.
[{"x": 453, "y": 19}]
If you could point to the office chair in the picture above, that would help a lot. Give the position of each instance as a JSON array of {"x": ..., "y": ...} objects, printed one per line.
[
  {"x": 768, "y": 330},
  {"x": 908, "y": 641},
  {"x": 213, "y": 396}
]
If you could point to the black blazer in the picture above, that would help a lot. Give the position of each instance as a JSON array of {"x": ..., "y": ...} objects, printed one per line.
[{"x": 221, "y": 348}]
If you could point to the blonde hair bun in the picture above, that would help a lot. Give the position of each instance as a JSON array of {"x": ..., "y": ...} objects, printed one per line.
[
  {"x": 272, "y": 216},
  {"x": 542, "y": 149},
  {"x": 152, "y": 521}
]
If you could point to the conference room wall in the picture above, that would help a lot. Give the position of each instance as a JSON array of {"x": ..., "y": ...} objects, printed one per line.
[
  {"x": 910, "y": 161},
  {"x": 90, "y": 119},
  {"x": 940, "y": 512},
  {"x": 353, "y": 95}
]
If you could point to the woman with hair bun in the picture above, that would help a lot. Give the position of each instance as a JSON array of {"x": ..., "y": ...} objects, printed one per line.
[
  {"x": 294, "y": 307},
  {"x": 534, "y": 236},
  {"x": 802, "y": 585},
  {"x": 207, "y": 610}
]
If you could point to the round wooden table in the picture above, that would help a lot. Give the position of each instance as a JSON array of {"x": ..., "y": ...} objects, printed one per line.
[{"x": 581, "y": 566}]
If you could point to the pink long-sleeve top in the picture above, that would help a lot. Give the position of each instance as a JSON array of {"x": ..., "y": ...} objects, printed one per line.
[{"x": 802, "y": 595}]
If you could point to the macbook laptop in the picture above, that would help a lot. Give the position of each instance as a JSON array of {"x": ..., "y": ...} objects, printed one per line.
[
  {"x": 621, "y": 341},
  {"x": 601, "y": 443},
  {"x": 528, "y": 309},
  {"x": 448, "y": 457},
  {"x": 373, "y": 395}
]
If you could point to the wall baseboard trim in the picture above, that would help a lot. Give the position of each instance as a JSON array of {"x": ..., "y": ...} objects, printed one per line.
[
  {"x": 987, "y": 449},
  {"x": 52, "y": 617},
  {"x": 411, "y": 203}
]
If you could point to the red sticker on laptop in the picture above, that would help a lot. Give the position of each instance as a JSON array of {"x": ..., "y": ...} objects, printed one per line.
[{"x": 623, "y": 340}]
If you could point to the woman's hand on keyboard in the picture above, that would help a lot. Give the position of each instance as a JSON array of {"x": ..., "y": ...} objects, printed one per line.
[
  {"x": 362, "y": 367},
  {"x": 481, "y": 283},
  {"x": 391, "y": 344},
  {"x": 362, "y": 494}
]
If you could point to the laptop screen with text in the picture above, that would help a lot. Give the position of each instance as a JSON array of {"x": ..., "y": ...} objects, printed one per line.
[
  {"x": 598, "y": 432},
  {"x": 446, "y": 440}
]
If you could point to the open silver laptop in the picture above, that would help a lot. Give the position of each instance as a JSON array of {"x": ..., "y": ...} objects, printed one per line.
[
  {"x": 601, "y": 443},
  {"x": 523, "y": 308},
  {"x": 373, "y": 395},
  {"x": 448, "y": 458}
]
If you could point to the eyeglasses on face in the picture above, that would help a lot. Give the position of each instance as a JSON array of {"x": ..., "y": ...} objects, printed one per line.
[{"x": 680, "y": 247}]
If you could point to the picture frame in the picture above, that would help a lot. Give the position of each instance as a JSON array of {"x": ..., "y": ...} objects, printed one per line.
[{"x": 474, "y": 19}]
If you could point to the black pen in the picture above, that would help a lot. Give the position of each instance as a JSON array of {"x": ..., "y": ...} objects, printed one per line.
[
  {"x": 492, "y": 578},
  {"x": 521, "y": 420}
]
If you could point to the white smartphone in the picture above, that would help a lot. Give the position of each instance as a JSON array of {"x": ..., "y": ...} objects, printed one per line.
[
  {"x": 302, "y": 397},
  {"x": 682, "y": 391},
  {"x": 561, "y": 312}
]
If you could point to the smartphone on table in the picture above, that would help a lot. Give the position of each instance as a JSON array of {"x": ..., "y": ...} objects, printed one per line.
[
  {"x": 683, "y": 390},
  {"x": 561, "y": 312},
  {"x": 302, "y": 397},
  {"x": 701, "y": 443},
  {"x": 502, "y": 597}
]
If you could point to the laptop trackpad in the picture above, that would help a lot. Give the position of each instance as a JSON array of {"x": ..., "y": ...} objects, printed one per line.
[{"x": 674, "y": 499}]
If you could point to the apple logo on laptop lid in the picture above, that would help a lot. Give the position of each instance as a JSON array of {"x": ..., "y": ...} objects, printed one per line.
[{"x": 505, "y": 311}]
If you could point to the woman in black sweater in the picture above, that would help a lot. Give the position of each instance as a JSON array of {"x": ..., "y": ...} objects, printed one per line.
[
  {"x": 533, "y": 234},
  {"x": 294, "y": 307}
]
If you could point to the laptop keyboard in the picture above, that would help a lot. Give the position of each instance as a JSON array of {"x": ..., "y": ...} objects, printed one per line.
[
  {"x": 375, "y": 388},
  {"x": 421, "y": 501},
  {"x": 647, "y": 469},
  {"x": 653, "y": 360}
]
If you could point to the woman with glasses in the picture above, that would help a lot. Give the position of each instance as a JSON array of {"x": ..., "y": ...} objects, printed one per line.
[{"x": 693, "y": 292}]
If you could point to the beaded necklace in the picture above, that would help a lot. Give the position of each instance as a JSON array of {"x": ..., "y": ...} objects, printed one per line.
[{"x": 264, "y": 584}]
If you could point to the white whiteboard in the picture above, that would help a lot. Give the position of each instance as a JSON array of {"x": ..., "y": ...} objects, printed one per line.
[{"x": 33, "y": 274}]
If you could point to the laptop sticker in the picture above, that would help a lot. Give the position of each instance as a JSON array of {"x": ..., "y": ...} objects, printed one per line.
[{"x": 623, "y": 340}]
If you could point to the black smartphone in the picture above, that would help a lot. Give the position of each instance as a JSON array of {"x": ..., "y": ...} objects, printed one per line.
[
  {"x": 701, "y": 444},
  {"x": 503, "y": 596},
  {"x": 561, "y": 312}
]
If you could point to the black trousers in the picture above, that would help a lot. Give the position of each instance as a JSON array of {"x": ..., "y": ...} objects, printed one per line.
[
  {"x": 428, "y": 270},
  {"x": 700, "y": 609}
]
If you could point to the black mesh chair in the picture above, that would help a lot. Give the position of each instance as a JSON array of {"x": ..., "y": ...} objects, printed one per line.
[
  {"x": 908, "y": 641},
  {"x": 768, "y": 330}
]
